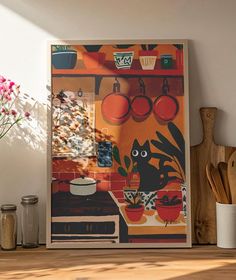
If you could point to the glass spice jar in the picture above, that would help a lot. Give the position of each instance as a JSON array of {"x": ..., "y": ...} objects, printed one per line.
[
  {"x": 30, "y": 221},
  {"x": 8, "y": 225}
]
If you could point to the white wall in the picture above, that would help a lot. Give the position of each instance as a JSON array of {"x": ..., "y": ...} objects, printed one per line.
[{"x": 26, "y": 25}]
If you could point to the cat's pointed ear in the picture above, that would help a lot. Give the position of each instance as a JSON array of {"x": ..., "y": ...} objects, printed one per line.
[
  {"x": 136, "y": 143},
  {"x": 146, "y": 145}
]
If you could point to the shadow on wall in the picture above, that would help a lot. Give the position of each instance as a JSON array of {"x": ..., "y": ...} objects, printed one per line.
[
  {"x": 31, "y": 133},
  {"x": 64, "y": 18},
  {"x": 196, "y": 98},
  {"x": 69, "y": 16},
  {"x": 23, "y": 152}
]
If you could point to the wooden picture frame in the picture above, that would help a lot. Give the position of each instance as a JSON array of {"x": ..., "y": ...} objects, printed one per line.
[{"x": 143, "y": 143}]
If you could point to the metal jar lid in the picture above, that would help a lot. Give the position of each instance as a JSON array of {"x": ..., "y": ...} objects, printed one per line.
[
  {"x": 29, "y": 199},
  {"x": 8, "y": 207}
]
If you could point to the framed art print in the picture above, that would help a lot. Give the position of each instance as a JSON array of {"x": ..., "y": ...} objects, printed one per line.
[{"x": 119, "y": 138}]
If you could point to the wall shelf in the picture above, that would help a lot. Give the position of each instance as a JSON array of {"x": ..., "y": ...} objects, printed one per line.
[{"x": 107, "y": 71}]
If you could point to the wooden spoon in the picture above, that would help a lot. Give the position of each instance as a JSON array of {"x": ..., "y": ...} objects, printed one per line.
[
  {"x": 209, "y": 167},
  {"x": 222, "y": 166},
  {"x": 219, "y": 185},
  {"x": 232, "y": 176}
]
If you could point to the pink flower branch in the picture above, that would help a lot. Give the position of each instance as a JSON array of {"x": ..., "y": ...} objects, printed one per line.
[{"x": 9, "y": 116}]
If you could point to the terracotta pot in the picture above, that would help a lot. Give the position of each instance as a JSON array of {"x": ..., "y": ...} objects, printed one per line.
[
  {"x": 168, "y": 213},
  {"x": 148, "y": 59},
  {"x": 116, "y": 106},
  {"x": 134, "y": 214},
  {"x": 93, "y": 59}
]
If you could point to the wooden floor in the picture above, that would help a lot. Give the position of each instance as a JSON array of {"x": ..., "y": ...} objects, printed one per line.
[{"x": 150, "y": 264}]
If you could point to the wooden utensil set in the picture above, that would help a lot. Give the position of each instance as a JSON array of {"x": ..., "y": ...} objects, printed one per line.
[{"x": 222, "y": 180}]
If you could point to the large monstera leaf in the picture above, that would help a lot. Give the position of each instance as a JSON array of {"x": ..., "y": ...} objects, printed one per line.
[{"x": 172, "y": 152}]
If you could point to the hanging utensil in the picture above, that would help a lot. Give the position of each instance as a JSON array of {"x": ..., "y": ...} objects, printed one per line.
[
  {"x": 141, "y": 105},
  {"x": 116, "y": 106},
  {"x": 165, "y": 106}
]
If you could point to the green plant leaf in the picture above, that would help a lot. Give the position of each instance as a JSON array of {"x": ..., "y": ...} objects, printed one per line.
[
  {"x": 127, "y": 162},
  {"x": 177, "y": 135},
  {"x": 122, "y": 171},
  {"x": 135, "y": 169},
  {"x": 168, "y": 168},
  {"x": 165, "y": 141},
  {"x": 168, "y": 148},
  {"x": 128, "y": 200},
  {"x": 116, "y": 154},
  {"x": 123, "y": 46},
  {"x": 151, "y": 47},
  {"x": 161, "y": 157}
]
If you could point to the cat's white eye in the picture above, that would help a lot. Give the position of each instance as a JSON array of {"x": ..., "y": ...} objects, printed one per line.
[
  {"x": 135, "y": 153},
  {"x": 143, "y": 153}
]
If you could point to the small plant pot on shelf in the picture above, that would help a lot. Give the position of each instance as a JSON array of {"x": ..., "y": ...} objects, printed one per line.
[
  {"x": 64, "y": 58},
  {"x": 93, "y": 60},
  {"x": 168, "y": 205},
  {"x": 168, "y": 214},
  {"x": 123, "y": 60},
  {"x": 148, "y": 198},
  {"x": 148, "y": 59},
  {"x": 166, "y": 61},
  {"x": 134, "y": 213}
]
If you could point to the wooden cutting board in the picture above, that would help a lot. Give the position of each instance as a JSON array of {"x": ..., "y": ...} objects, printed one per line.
[{"x": 203, "y": 201}]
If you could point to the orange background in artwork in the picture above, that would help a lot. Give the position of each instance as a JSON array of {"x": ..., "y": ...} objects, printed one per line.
[{"x": 122, "y": 135}]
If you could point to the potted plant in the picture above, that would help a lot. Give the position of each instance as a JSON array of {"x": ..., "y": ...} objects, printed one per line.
[
  {"x": 168, "y": 208},
  {"x": 123, "y": 59},
  {"x": 134, "y": 209},
  {"x": 166, "y": 61},
  {"x": 126, "y": 169},
  {"x": 148, "y": 56},
  {"x": 63, "y": 57},
  {"x": 92, "y": 57}
]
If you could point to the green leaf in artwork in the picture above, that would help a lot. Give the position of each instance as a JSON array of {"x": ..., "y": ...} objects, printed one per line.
[
  {"x": 116, "y": 154},
  {"x": 122, "y": 171},
  {"x": 135, "y": 169},
  {"x": 127, "y": 162}
]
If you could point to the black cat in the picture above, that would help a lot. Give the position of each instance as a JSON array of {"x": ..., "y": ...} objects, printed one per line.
[{"x": 151, "y": 178}]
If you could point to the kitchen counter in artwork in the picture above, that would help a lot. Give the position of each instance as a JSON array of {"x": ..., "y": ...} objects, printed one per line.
[
  {"x": 102, "y": 218},
  {"x": 151, "y": 226},
  {"x": 92, "y": 218}
]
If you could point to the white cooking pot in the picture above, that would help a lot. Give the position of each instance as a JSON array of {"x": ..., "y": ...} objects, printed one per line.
[{"x": 83, "y": 186}]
